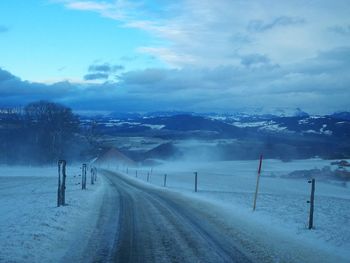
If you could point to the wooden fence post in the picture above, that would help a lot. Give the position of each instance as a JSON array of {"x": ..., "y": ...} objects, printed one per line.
[
  {"x": 61, "y": 189},
  {"x": 311, "y": 202},
  {"x": 92, "y": 175},
  {"x": 83, "y": 177},
  {"x": 59, "y": 185},
  {"x": 195, "y": 181},
  {"x": 257, "y": 183},
  {"x": 165, "y": 175}
]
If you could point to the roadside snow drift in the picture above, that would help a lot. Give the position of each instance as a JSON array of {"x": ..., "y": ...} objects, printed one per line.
[{"x": 33, "y": 229}]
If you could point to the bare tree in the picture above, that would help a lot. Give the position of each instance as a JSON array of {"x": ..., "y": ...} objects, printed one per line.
[{"x": 51, "y": 126}]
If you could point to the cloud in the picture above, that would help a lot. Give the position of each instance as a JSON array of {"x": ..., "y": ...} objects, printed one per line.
[
  {"x": 254, "y": 59},
  {"x": 15, "y": 91},
  {"x": 88, "y": 6},
  {"x": 118, "y": 10},
  {"x": 3, "y": 29},
  {"x": 342, "y": 30},
  {"x": 96, "y": 76},
  {"x": 102, "y": 71},
  {"x": 261, "y": 26},
  {"x": 317, "y": 85},
  {"x": 240, "y": 38},
  {"x": 6, "y": 76},
  {"x": 210, "y": 33},
  {"x": 106, "y": 67},
  {"x": 216, "y": 33},
  {"x": 221, "y": 56}
]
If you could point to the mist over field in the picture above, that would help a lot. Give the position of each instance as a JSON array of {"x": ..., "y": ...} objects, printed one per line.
[{"x": 44, "y": 132}]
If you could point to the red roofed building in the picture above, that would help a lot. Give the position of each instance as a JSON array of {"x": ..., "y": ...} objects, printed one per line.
[{"x": 114, "y": 157}]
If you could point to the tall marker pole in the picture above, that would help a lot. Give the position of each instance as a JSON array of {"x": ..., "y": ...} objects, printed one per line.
[
  {"x": 257, "y": 182},
  {"x": 312, "y": 201}
]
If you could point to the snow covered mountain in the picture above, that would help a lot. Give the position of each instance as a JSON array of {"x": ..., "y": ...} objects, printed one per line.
[{"x": 232, "y": 125}]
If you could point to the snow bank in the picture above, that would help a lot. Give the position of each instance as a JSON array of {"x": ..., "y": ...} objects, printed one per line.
[{"x": 33, "y": 229}]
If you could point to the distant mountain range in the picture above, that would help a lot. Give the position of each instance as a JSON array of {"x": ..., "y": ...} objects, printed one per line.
[
  {"x": 241, "y": 136},
  {"x": 178, "y": 134},
  {"x": 219, "y": 136},
  {"x": 261, "y": 112},
  {"x": 258, "y": 113},
  {"x": 227, "y": 125}
]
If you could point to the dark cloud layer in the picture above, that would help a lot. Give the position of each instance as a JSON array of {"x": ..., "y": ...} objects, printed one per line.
[
  {"x": 96, "y": 76},
  {"x": 342, "y": 30},
  {"x": 15, "y": 92},
  {"x": 317, "y": 85},
  {"x": 261, "y": 26},
  {"x": 102, "y": 71},
  {"x": 107, "y": 68}
]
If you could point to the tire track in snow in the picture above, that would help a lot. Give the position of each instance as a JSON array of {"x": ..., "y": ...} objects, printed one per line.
[{"x": 153, "y": 228}]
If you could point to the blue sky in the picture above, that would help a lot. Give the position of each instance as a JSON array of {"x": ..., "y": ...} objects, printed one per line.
[
  {"x": 48, "y": 42},
  {"x": 144, "y": 55}
]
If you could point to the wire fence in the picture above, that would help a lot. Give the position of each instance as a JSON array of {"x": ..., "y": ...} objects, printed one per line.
[
  {"x": 238, "y": 181},
  {"x": 279, "y": 195}
]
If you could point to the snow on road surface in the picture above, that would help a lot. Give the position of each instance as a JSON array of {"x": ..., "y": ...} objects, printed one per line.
[
  {"x": 32, "y": 228},
  {"x": 155, "y": 226}
]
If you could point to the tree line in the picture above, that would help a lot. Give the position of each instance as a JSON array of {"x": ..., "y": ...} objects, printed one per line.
[{"x": 43, "y": 133}]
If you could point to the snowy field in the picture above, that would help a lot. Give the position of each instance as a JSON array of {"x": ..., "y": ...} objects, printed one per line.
[
  {"x": 282, "y": 203},
  {"x": 33, "y": 229}
]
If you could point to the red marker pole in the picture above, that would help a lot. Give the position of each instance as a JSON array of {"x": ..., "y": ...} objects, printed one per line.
[{"x": 257, "y": 182}]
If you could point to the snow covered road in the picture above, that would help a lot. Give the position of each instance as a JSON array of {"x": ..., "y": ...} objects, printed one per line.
[
  {"x": 154, "y": 224},
  {"x": 155, "y": 227}
]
